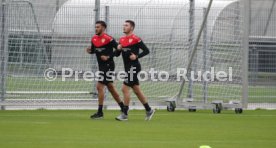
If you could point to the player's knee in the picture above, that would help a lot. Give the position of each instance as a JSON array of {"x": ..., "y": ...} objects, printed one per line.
[
  {"x": 136, "y": 91},
  {"x": 124, "y": 90},
  {"x": 113, "y": 91},
  {"x": 100, "y": 88},
  {"x": 110, "y": 87}
]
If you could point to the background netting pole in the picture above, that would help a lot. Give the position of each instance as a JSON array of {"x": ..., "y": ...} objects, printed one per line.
[
  {"x": 245, "y": 48},
  {"x": 191, "y": 57},
  {"x": 2, "y": 56}
]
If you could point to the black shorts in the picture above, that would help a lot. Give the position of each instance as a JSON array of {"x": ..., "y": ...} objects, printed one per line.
[
  {"x": 106, "y": 73},
  {"x": 132, "y": 76}
]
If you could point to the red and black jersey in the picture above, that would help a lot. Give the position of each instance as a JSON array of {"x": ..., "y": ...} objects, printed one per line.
[
  {"x": 132, "y": 44},
  {"x": 103, "y": 45}
]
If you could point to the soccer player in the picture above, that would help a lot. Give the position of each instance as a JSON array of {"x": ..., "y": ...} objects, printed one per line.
[
  {"x": 129, "y": 46},
  {"x": 102, "y": 45}
]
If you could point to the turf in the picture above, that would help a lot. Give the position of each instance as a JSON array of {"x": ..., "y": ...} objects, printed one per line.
[{"x": 68, "y": 129}]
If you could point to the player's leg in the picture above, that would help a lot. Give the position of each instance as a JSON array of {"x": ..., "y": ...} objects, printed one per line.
[
  {"x": 100, "y": 89},
  {"x": 115, "y": 95},
  {"x": 126, "y": 94},
  {"x": 138, "y": 92},
  {"x": 130, "y": 80}
]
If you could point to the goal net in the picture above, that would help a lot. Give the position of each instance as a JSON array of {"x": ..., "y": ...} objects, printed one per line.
[{"x": 41, "y": 42}]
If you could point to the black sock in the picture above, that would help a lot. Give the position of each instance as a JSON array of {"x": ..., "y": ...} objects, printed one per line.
[
  {"x": 100, "y": 109},
  {"x": 126, "y": 110},
  {"x": 147, "y": 107},
  {"x": 122, "y": 106}
]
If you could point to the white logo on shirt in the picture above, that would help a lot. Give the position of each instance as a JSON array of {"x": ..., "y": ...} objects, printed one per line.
[
  {"x": 100, "y": 49},
  {"x": 126, "y": 49}
]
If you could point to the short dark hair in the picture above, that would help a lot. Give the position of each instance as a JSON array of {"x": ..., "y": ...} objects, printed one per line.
[
  {"x": 102, "y": 23},
  {"x": 132, "y": 23}
]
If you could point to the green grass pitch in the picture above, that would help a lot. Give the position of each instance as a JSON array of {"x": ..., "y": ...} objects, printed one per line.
[{"x": 74, "y": 129}]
